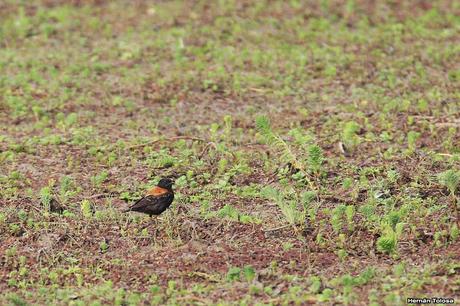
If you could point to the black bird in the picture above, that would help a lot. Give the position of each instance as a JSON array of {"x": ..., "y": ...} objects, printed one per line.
[{"x": 157, "y": 199}]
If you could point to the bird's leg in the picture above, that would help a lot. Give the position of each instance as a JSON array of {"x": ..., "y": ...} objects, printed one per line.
[
  {"x": 148, "y": 224},
  {"x": 153, "y": 220},
  {"x": 154, "y": 227}
]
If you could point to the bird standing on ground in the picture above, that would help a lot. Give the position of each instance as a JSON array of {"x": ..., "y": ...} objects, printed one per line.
[{"x": 157, "y": 199}]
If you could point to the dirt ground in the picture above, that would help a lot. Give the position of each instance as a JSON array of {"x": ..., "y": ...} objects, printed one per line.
[{"x": 314, "y": 147}]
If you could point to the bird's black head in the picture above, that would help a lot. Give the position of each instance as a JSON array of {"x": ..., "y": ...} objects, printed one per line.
[{"x": 166, "y": 183}]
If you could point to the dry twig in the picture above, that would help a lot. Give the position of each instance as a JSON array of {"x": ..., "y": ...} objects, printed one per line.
[{"x": 165, "y": 139}]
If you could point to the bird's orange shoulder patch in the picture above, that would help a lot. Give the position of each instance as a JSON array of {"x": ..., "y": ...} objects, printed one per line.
[{"x": 156, "y": 191}]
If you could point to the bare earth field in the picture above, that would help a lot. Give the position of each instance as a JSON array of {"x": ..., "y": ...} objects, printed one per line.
[{"x": 315, "y": 147}]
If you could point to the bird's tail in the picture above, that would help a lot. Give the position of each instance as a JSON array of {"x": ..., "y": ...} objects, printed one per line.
[{"x": 126, "y": 210}]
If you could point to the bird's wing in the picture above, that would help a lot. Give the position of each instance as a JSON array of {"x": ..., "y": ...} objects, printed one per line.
[{"x": 150, "y": 200}]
